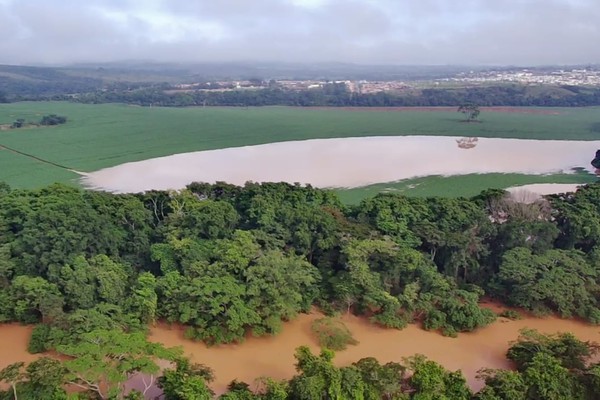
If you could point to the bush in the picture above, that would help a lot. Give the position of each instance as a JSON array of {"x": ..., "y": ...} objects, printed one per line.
[
  {"x": 38, "y": 342},
  {"x": 19, "y": 123},
  {"x": 510, "y": 314},
  {"x": 332, "y": 333},
  {"x": 53, "y": 119}
]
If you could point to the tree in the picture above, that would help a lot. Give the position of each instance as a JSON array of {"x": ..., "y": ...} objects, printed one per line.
[
  {"x": 12, "y": 375},
  {"x": 35, "y": 299},
  {"x": 144, "y": 300},
  {"x": 318, "y": 378},
  {"x": 502, "y": 385},
  {"x": 103, "y": 360},
  {"x": 431, "y": 381},
  {"x": 557, "y": 280},
  {"x": 547, "y": 379},
  {"x": 44, "y": 379},
  {"x": 186, "y": 382},
  {"x": 381, "y": 381},
  {"x": 470, "y": 111}
]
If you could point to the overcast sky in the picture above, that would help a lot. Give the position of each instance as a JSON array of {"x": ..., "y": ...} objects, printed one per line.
[{"x": 361, "y": 31}]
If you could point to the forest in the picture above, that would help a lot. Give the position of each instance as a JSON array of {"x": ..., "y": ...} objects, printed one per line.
[
  {"x": 337, "y": 95},
  {"x": 93, "y": 269}
]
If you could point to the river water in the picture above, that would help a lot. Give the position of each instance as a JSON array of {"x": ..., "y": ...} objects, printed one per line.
[
  {"x": 348, "y": 162},
  {"x": 274, "y": 356}
]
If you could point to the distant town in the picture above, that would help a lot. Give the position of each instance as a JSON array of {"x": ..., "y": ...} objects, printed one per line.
[{"x": 560, "y": 77}]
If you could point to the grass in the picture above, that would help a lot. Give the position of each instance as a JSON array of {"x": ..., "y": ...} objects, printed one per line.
[
  {"x": 99, "y": 136},
  {"x": 457, "y": 186}
]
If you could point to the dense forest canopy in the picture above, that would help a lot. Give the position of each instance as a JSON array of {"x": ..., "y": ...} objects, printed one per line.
[{"x": 93, "y": 267}]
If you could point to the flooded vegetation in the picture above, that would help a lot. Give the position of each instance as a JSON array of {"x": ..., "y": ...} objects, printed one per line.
[
  {"x": 227, "y": 261},
  {"x": 274, "y": 356}
]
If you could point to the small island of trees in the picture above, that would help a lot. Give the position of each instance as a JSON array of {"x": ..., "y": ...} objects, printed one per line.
[{"x": 46, "y": 120}]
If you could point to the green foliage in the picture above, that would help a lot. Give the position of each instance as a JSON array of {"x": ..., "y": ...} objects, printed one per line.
[
  {"x": 53, "y": 119},
  {"x": 467, "y": 185},
  {"x": 318, "y": 378},
  {"x": 470, "y": 111},
  {"x": 234, "y": 287},
  {"x": 565, "y": 347},
  {"x": 502, "y": 385},
  {"x": 35, "y": 299},
  {"x": 546, "y": 378},
  {"x": 103, "y": 360},
  {"x": 332, "y": 333},
  {"x": 557, "y": 280},
  {"x": 40, "y": 336},
  {"x": 186, "y": 382},
  {"x": 432, "y": 381},
  {"x": 96, "y": 268}
]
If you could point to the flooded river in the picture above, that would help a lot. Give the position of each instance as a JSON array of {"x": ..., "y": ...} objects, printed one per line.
[
  {"x": 348, "y": 162},
  {"x": 274, "y": 356}
]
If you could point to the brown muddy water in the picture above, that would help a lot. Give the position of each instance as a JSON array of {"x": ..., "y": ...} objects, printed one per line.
[{"x": 274, "y": 356}]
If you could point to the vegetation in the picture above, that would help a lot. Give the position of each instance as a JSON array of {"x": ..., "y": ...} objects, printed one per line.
[
  {"x": 100, "y": 136},
  {"x": 470, "y": 111},
  {"x": 149, "y": 84},
  {"x": 53, "y": 119},
  {"x": 337, "y": 95},
  {"x": 93, "y": 269},
  {"x": 457, "y": 186},
  {"x": 332, "y": 333},
  {"x": 548, "y": 367}
]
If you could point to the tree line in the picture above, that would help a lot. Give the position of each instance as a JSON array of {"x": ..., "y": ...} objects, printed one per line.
[
  {"x": 330, "y": 95},
  {"x": 89, "y": 267},
  {"x": 337, "y": 95}
]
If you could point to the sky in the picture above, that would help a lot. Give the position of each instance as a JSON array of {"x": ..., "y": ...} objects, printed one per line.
[{"x": 407, "y": 32}]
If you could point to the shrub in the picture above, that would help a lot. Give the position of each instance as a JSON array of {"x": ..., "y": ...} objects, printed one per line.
[
  {"x": 332, "y": 333},
  {"x": 53, "y": 119},
  {"x": 40, "y": 336},
  {"x": 510, "y": 314}
]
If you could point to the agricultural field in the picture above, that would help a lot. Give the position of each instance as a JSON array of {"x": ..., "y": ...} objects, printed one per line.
[
  {"x": 101, "y": 136},
  {"x": 459, "y": 185}
]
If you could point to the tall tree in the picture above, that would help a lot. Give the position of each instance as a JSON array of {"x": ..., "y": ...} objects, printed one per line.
[{"x": 102, "y": 361}]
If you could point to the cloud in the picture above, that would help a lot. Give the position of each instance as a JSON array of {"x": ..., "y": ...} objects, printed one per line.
[{"x": 361, "y": 31}]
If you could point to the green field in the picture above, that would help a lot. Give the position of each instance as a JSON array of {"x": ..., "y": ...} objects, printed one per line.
[
  {"x": 99, "y": 136},
  {"x": 458, "y": 186}
]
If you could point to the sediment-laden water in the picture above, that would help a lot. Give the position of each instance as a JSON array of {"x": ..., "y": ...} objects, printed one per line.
[{"x": 347, "y": 162}]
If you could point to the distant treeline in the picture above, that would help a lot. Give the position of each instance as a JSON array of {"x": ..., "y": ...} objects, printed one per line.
[
  {"x": 336, "y": 95},
  {"x": 53, "y": 85}
]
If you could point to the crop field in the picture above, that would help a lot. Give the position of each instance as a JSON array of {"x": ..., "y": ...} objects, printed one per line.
[
  {"x": 458, "y": 186},
  {"x": 100, "y": 136}
]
